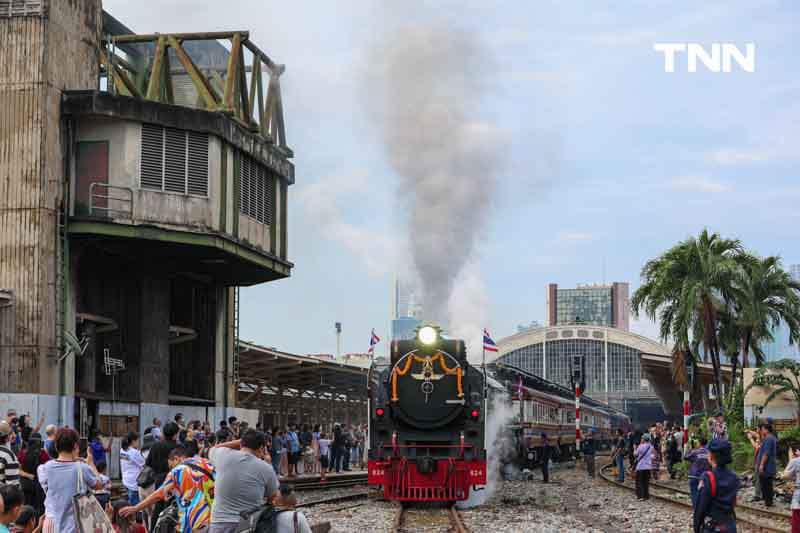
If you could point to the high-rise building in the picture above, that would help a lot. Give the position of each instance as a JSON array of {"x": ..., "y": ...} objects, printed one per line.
[
  {"x": 406, "y": 312},
  {"x": 404, "y": 328},
  {"x": 591, "y": 305},
  {"x": 780, "y": 347}
]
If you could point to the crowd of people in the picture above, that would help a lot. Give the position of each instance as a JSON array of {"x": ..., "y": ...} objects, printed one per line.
[
  {"x": 179, "y": 476},
  {"x": 714, "y": 488}
]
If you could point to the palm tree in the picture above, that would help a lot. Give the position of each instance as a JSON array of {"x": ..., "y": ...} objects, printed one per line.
[
  {"x": 685, "y": 288},
  {"x": 764, "y": 295},
  {"x": 773, "y": 375}
]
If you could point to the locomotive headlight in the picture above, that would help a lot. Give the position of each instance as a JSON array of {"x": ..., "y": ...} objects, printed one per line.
[{"x": 427, "y": 335}]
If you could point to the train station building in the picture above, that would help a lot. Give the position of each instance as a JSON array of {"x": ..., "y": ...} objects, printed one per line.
[
  {"x": 624, "y": 370},
  {"x": 143, "y": 179}
]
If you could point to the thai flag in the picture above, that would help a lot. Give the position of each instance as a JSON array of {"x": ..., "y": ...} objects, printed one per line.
[
  {"x": 373, "y": 340},
  {"x": 488, "y": 344}
]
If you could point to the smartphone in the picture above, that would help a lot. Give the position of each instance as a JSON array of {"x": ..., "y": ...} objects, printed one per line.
[{"x": 83, "y": 447}]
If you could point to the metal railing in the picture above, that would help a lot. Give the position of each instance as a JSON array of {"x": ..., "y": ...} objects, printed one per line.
[{"x": 97, "y": 199}]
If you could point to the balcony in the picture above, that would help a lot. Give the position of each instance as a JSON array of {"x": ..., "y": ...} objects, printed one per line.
[{"x": 182, "y": 149}]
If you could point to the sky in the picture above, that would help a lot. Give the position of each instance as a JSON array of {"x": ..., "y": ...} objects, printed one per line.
[{"x": 600, "y": 159}]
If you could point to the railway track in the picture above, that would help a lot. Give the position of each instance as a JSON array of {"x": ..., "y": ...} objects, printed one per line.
[
  {"x": 746, "y": 515},
  {"x": 331, "y": 483},
  {"x": 410, "y": 519}
]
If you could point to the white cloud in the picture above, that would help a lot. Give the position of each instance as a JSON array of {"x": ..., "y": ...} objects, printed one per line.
[
  {"x": 735, "y": 157},
  {"x": 575, "y": 236},
  {"x": 697, "y": 184},
  {"x": 645, "y": 327},
  {"x": 320, "y": 203}
]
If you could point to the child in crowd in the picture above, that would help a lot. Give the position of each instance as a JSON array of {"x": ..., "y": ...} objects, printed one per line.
[
  {"x": 27, "y": 522},
  {"x": 103, "y": 494},
  {"x": 123, "y": 524},
  {"x": 291, "y": 520}
]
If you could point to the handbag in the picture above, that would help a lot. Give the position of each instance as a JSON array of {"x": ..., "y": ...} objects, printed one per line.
[
  {"x": 90, "y": 517},
  {"x": 146, "y": 477}
]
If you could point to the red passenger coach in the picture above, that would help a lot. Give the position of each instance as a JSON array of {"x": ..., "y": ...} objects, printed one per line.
[{"x": 427, "y": 419}]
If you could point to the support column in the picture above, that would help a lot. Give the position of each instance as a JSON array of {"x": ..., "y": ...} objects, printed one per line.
[
  {"x": 281, "y": 408},
  {"x": 154, "y": 352}
]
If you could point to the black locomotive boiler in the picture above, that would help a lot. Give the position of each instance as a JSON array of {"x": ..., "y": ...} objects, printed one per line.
[{"x": 427, "y": 421}]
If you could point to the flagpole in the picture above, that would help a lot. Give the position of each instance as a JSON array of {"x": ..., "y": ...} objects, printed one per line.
[{"x": 483, "y": 367}]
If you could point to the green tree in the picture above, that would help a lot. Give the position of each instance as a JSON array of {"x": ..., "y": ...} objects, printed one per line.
[
  {"x": 763, "y": 294},
  {"x": 685, "y": 288},
  {"x": 773, "y": 376}
]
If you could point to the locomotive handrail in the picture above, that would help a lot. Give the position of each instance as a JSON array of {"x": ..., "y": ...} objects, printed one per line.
[{"x": 461, "y": 447}]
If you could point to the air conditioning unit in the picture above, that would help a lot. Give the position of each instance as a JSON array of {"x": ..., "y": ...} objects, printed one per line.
[{"x": 6, "y": 298}]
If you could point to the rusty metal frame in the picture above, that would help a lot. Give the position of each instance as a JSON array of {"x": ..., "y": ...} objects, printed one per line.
[{"x": 258, "y": 109}]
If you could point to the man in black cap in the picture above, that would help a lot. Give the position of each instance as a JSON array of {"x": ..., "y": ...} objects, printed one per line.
[
  {"x": 717, "y": 492},
  {"x": 546, "y": 450},
  {"x": 588, "y": 450}
]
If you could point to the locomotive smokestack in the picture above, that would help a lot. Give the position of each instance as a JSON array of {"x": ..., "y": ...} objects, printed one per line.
[{"x": 425, "y": 86}]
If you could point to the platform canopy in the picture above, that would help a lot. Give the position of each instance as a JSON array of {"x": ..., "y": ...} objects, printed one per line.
[{"x": 311, "y": 388}]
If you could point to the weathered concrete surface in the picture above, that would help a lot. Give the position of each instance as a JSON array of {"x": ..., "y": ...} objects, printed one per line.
[{"x": 41, "y": 57}]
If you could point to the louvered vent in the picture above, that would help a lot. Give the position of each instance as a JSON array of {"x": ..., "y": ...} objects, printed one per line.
[
  {"x": 152, "y": 165},
  {"x": 22, "y": 8},
  {"x": 174, "y": 160},
  {"x": 255, "y": 190},
  {"x": 197, "y": 163}
]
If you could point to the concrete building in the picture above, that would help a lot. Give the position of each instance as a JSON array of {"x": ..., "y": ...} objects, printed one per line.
[
  {"x": 592, "y": 305},
  {"x": 612, "y": 363},
  {"x": 404, "y": 328},
  {"x": 133, "y": 204},
  {"x": 406, "y": 310}
]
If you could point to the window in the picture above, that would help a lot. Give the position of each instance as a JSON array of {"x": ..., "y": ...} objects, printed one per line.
[
  {"x": 255, "y": 190},
  {"x": 174, "y": 161}
]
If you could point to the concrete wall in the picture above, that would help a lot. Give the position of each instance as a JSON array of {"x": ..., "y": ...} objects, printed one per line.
[
  {"x": 783, "y": 407},
  {"x": 40, "y": 56}
]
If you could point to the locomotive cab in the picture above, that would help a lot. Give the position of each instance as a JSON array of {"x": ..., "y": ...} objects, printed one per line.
[{"x": 427, "y": 421}]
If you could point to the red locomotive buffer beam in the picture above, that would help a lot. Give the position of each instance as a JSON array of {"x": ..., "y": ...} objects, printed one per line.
[{"x": 449, "y": 481}]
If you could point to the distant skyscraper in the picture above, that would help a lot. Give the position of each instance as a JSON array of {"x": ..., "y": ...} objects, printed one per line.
[
  {"x": 595, "y": 305},
  {"x": 406, "y": 311},
  {"x": 403, "y": 328},
  {"x": 780, "y": 348}
]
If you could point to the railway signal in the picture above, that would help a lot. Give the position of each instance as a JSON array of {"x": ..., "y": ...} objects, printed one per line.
[
  {"x": 578, "y": 383},
  {"x": 688, "y": 362}
]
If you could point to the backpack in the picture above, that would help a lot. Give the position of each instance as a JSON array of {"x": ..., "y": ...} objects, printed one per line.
[
  {"x": 168, "y": 520},
  {"x": 262, "y": 520},
  {"x": 146, "y": 477}
]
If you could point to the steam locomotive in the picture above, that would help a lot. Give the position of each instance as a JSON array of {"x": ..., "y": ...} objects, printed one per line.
[{"x": 427, "y": 421}]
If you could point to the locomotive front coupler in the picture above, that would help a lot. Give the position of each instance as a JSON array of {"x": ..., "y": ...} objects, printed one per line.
[{"x": 426, "y": 465}]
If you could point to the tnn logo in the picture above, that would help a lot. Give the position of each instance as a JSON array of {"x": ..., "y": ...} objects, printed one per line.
[{"x": 721, "y": 56}]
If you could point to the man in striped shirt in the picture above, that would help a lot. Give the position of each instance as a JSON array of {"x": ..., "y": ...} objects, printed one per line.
[{"x": 9, "y": 466}]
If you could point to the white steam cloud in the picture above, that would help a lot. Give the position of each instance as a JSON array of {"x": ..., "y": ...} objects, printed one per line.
[
  {"x": 501, "y": 412},
  {"x": 425, "y": 88}
]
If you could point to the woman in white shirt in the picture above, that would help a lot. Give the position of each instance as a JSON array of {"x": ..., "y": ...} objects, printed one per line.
[
  {"x": 324, "y": 447},
  {"x": 131, "y": 462},
  {"x": 792, "y": 473}
]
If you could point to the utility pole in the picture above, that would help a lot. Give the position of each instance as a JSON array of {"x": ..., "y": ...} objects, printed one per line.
[
  {"x": 686, "y": 394},
  {"x": 338, "y": 326}
]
